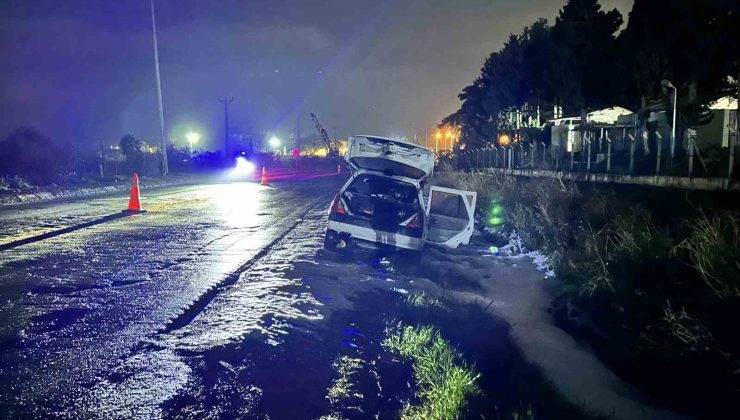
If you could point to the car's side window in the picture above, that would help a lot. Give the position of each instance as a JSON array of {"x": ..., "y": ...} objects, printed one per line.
[
  {"x": 450, "y": 216},
  {"x": 447, "y": 213}
]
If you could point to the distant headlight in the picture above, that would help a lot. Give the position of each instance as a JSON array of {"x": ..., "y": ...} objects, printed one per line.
[{"x": 243, "y": 166}]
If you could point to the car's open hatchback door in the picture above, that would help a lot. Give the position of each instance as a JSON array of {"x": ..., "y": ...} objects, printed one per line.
[
  {"x": 450, "y": 216},
  {"x": 389, "y": 157}
]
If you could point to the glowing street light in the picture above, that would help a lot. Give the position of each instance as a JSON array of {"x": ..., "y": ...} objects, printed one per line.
[
  {"x": 437, "y": 137},
  {"x": 274, "y": 143},
  {"x": 504, "y": 140},
  {"x": 192, "y": 138}
]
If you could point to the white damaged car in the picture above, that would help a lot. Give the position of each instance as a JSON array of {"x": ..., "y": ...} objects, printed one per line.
[{"x": 387, "y": 202}]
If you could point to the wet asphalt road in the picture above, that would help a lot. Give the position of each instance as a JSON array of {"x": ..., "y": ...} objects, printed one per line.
[
  {"x": 220, "y": 303},
  {"x": 75, "y": 307}
]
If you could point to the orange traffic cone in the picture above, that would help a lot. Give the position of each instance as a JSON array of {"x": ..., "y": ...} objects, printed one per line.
[
  {"x": 264, "y": 177},
  {"x": 133, "y": 203}
]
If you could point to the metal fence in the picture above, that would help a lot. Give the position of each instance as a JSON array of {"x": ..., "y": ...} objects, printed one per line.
[{"x": 628, "y": 155}]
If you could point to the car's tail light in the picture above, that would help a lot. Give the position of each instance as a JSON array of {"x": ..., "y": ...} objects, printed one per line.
[{"x": 337, "y": 206}]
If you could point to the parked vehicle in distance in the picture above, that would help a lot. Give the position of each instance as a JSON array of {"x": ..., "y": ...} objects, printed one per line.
[{"x": 387, "y": 201}]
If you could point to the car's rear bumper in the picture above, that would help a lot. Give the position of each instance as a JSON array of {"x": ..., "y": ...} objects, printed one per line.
[{"x": 372, "y": 235}]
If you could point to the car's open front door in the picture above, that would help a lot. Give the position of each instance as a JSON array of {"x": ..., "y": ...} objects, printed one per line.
[{"x": 450, "y": 216}]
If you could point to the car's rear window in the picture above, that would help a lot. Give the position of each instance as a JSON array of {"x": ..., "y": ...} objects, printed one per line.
[{"x": 382, "y": 198}]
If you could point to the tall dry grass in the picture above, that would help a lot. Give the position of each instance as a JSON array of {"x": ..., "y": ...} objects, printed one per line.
[
  {"x": 714, "y": 250},
  {"x": 668, "y": 290},
  {"x": 539, "y": 211}
]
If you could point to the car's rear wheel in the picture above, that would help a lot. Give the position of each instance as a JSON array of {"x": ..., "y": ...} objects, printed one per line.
[{"x": 331, "y": 241}]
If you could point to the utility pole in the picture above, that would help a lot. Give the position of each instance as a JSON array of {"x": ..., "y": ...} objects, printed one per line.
[
  {"x": 297, "y": 146},
  {"x": 162, "y": 141},
  {"x": 102, "y": 159},
  {"x": 298, "y": 130},
  {"x": 226, "y": 101}
]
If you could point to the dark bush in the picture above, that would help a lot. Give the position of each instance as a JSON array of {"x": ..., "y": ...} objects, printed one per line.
[{"x": 33, "y": 156}]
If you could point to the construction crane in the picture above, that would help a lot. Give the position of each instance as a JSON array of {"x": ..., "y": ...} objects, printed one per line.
[{"x": 331, "y": 151}]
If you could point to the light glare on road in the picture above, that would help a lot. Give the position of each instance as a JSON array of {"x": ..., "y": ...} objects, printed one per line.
[
  {"x": 241, "y": 171},
  {"x": 243, "y": 166},
  {"x": 239, "y": 205}
]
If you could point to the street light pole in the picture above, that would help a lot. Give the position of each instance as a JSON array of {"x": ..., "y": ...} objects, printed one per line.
[{"x": 162, "y": 141}]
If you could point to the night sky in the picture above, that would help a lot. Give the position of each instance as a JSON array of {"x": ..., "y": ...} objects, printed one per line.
[{"x": 82, "y": 71}]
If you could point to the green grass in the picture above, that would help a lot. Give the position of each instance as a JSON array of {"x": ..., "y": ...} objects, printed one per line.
[
  {"x": 422, "y": 300},
  {"x": 444, "y": 380},
  {"x": 344, "y": 388}
]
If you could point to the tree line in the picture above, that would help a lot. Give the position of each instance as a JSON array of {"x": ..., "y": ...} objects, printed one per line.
[
  {"x": 28, "y": 157},
  {"x": 584, "y": 62}
]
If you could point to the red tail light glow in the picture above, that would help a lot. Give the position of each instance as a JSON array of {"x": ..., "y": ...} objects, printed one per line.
[
  {"x": 337, "y": 206},
  {"x": 414, "y": 223}
]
